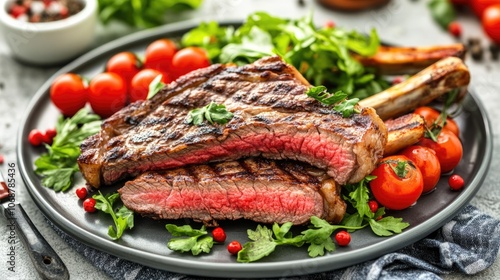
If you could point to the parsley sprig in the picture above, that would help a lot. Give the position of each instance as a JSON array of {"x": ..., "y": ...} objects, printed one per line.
[
  {"x": 123, "y": 218},
  {"x": 345, "y": 106},
  {"x": 213, "y": 113},
  {"x": 189, "y": 239},
  {"x": 58, "y": 165}
]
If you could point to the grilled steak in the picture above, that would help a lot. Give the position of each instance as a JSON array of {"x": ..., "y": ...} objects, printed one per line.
[
  {"x": 273, "y": 118},
  {"x": 257, "y": 189}
]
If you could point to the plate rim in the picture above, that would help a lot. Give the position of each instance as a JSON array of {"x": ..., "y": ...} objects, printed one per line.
[{"x": 258, "y": 269}]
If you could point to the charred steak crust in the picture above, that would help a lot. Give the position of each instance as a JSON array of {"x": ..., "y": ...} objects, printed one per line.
[
  {"x": 257, "y": 189},
  {"x": 273, "y": 118}
]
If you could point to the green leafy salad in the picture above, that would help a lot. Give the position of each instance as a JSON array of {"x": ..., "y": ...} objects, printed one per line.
[{"x": 322, "y": 55}]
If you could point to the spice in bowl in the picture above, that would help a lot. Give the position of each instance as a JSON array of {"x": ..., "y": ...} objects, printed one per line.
[{"x": 44, "y": 10}]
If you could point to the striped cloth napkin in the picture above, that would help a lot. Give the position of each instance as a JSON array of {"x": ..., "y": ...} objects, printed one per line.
[{"x": 467, "y": 244}]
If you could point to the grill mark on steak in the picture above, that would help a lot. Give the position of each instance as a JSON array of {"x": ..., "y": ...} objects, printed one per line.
[
  {"x": 261, "y": 190},
  {"x": 273, "y": 118}
]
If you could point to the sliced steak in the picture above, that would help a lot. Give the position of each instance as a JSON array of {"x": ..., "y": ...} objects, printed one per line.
[
  {"x": 257, "y": 189},
  {"x": 273, "y": 118}
]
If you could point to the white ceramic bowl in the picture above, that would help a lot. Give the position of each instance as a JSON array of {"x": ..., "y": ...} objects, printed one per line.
[{"x": 49, "y": 43}]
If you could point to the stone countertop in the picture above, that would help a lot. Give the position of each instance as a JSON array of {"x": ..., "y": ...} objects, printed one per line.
[{"x": 407, "y": 23}]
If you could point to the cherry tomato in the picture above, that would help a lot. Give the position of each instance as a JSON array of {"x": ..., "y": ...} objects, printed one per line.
[
  {"x": 491, "y": 22},
  {"x": 189, "y": 59},
  {"x": 234, "y": 247},
  {"x": 430, "y": 115},
  {"x": 81, "y": 193},
  {"x": 68, "y": 92},
  {"x": 159, "y": 55},
  {"x": 399, "y": 182},
  {"x": 428, "y": 164},
  {"x": 219, "y": 235},
  {"x": 478, "y": 6},
  {"x": 448, "y": 149},
  {"x": 343, "y": 238},
  {"x": 139, "y": 87},
  {"x": 89, "y": 205},
  {"x": 35, "y": 137},
  {"x": 108, "y": 94},
  {"x": 125, "y": 64},
  {"x": 456, "y": 182}
]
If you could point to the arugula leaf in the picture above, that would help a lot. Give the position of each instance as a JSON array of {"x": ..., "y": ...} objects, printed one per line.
[
  {"x": 58, "y": 165},
  {"x": 322, "y": 55},
  {"x": 387, "y": 226},
  {"x": 213, "y": 113},
  {"x": 197, "y": 241},
  {"x": 123, "y": 218},
  {"x": 142, "y": 13},
  {"x": 442, "y": 12}
]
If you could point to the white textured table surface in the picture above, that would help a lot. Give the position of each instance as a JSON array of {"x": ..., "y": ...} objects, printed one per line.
[{"x": 404, "y": 22}]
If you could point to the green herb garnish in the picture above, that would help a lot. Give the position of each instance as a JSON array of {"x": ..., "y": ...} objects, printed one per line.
[
  {"x": 263, "y": 243},
  {"x": 58, "y": 165},
  {"x": 358, "y": 196},
  {"x": 339, "y": 99},
  {"x": 213, "y": 113},
  {"x": 194, "y": 240},
  {"x": 442, "y": 12},
  {"x": 155, "y": 86},
  {"x": 123, "y": 218}
]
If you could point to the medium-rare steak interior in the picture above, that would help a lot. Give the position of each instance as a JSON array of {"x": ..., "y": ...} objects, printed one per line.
[
  {"x": 257, "y": 189},
  {"x": 273, "y": 118}
]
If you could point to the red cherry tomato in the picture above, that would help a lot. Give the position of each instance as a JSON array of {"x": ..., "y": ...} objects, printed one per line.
[
  {"x": 139, "y": 87},
  {"x": 478, "y": 6},
  {"x": 125, "y": 64},
  {"x": 189, "y": 59},
  {"x": 448, "y": 149},
  {"x": 343, "y": 238},
  {"x": 393, "y": 188},
  {"x": 456, "y": 182},
  {"x": 219, "y": 235},
  {"x": 428, "y": 164},
  {"x": 234, "y": 247},
  {"x": 430, "y": 115},
  {"x": 108, "y": 94},
  {"x": 68, "y": 92},
  {"x": 81, "y": 193},
  {"x": 491, "y": 22},
  {"x": 89, "y": 205},
  {"x": 35, "y": 137},
  {"x": 159, "y": 55}
]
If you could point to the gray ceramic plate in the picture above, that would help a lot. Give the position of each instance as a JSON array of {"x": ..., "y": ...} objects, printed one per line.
[{"x": 146, "y": 243}]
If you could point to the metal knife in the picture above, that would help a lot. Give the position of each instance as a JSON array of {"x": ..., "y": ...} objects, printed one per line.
[{"x": 46, "y": 261}]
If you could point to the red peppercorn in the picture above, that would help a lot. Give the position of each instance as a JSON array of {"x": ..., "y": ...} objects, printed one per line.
[
  {"x": 35, "y": 137},
  {"x": 89, "y": 205},
  {"x": 234, "y": 247},
  {"x": 17, "y": 10},
  {"x": 219, "y": 235},
  {"x": 456, "y": 182},
  {"x": 455, "y": 29},
  {"x": 51, "y": 132},
  {"x": 81, "y": 193},
  {"x": 1, "y": 159},
  {"x": 343, "y": 238},
  {"x": 397, "y": 80},
  {"x": 329, "y": 24},
  {"x": 373, "y": 205}
]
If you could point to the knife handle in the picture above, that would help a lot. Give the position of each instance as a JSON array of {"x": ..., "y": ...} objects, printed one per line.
[{"x": 44, "y": 258}]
